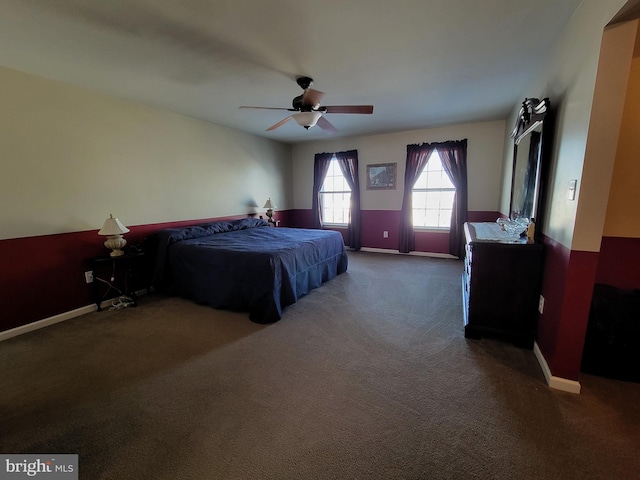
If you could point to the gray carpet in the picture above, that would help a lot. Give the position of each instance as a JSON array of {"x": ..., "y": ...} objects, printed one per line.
[{"x": 367, "y": 377}]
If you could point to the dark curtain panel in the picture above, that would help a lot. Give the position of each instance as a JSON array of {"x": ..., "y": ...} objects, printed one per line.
[
  {"x": 417, "y": 158},
  {"x": 348, "y": 162},
  {"x": 454, "y": 161},
  {"x": 320, "y": 169}
]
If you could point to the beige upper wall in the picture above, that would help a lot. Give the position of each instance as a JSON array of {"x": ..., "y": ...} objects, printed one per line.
[
  {"x": 484, "y": 158},
  {"x": 604, "y": 131},
  {"x": 623, "y": 214},
  {"x": 569, "y": 80},
  {"x": 69, "y": 157}
]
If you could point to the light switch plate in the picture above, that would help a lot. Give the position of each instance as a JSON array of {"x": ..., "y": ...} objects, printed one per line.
[{"x": 572, "y": 190}]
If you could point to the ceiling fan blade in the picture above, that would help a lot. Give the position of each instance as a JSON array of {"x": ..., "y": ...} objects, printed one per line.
[
  {"x": 280, "y": 123},
  {"x": 269, "y": 108},
  {"x": 364, "y": 109},
  {"x": 312, "y": 97},
  {"x": 324, "y": 124}
]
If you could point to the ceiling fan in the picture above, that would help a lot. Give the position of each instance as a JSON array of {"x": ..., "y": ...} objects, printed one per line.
[{"x": 308, "y": 109}]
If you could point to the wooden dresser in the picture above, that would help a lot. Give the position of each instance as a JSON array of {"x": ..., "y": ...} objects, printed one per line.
[{"x": 500, "y": 284}]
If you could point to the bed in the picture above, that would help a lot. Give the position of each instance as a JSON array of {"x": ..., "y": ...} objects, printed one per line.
[{"x": 246, "y": 265}]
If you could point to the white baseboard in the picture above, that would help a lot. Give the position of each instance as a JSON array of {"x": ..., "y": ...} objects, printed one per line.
[
  {"x": 417, "y": 254},
  {"x": 30, "y": 327},
  {"x": 559, "y": 383},
  {"x": 14, "y": 332}
]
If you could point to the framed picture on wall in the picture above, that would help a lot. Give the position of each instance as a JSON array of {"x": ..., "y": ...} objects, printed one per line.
[{"x": 381, "y": 176}]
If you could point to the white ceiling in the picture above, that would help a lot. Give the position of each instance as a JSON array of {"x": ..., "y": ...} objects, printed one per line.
[{"x": 421, "y": 63}]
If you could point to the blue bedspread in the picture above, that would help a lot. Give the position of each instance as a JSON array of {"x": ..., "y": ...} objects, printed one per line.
[{"x": 245, "y": 265}]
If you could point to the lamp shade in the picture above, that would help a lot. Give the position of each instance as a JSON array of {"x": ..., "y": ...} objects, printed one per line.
[
  {"x": 269, "y": 204},
  {"x": 112, "y": 226},
  {"x": 307, "y": 119},
  {"x": 252, "y": 207}
]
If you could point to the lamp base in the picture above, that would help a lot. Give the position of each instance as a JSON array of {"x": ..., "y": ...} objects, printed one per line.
[
  {"x": 272, "y": 221},
  {"x": 115, "y": 243}
]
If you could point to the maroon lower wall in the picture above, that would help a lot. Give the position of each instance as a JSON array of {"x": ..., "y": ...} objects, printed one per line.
[
  {"x": 375, "y": 222},
  {"x": 619, "y": 262},
  {"x": 43, "y": 276},
  {"x": 569, "y": 276}
]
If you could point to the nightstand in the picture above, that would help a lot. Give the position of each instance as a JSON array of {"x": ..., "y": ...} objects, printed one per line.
[{"x": 117, "y": 276}]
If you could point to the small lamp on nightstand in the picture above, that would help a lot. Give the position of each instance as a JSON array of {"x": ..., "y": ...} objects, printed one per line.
[
  {"x": 270, "y": 207},
  {"x": 253, "y": 208},
  {"x": 113, "y": 230}
]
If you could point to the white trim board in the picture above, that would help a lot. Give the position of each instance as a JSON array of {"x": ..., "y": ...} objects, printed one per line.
[
  {"x": 30, "y": 327},
  {"x": 559, "y": 383}
]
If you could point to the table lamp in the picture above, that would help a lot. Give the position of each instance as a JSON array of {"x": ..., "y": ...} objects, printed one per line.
[
  {"x": 269, "y": 206},
  {"x": 113, "y": 230}
]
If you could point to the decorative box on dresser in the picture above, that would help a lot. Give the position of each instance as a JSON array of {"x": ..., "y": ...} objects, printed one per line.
[{"x": 501, "y": 284}]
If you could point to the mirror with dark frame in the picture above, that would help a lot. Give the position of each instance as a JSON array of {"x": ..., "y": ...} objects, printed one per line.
[{"x": 526, "y": 180}]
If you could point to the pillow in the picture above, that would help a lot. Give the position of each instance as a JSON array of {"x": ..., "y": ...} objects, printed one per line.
[{"x": 172, "y": 235}]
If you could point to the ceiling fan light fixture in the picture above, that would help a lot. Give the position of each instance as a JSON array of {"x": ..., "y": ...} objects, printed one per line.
[
  {"x": 308, "y": 109},
  {"x": 307, "y": 119}
]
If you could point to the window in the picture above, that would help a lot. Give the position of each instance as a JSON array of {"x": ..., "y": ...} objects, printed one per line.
[
  {"x": 433, "y": 195},
  {"x": 335, "y": 196}
]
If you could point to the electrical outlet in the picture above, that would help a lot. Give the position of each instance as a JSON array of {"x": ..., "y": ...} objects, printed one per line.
[
  {"x": 541, "y": 305},
  {"x": 385, "y": 234},
  {"x": 88, "y": 276}
]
